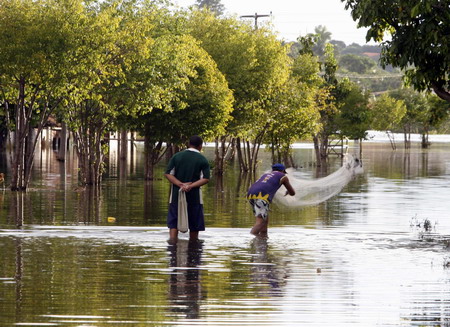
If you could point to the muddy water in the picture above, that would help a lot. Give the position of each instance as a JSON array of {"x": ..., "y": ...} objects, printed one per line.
[{"x": 375, "y": 255}]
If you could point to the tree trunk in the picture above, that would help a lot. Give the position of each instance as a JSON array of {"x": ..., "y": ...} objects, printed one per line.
[
  {"x": 153, "y": 153},
  {"x": 241, "y": 158},
  {"x": 391, "y": 140},
  {"x": 221, "y": 150},
  {"x": 61, "y": 156},
  {"x": 88, "y": 142},
  {"x": 123, "y": 144},
  {"x": 132, "y": 152},
  {"x": 321, "y": 149},
  {"x": 425, "y": 141},
  {"x": 148, "y": 161},
  {"x": 25, "y": 137}
]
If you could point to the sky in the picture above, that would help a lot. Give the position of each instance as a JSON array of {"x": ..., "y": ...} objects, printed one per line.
[{"x": 292, "y": 18}]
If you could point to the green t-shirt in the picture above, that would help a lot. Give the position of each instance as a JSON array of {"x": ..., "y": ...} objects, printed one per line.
[{"x": 188, "y": 166}]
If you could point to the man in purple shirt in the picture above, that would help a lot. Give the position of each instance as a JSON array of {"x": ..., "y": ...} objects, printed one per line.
[{"x": 261, "y": 193}]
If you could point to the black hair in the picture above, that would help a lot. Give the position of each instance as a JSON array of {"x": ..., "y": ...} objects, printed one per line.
[{"x": 195, "y": 141}]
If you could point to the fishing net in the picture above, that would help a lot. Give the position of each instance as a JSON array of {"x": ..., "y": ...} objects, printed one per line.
[{"x": 312, "y": 192}]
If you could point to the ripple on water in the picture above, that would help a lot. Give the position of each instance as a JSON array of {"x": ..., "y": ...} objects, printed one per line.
[{"x": 298, "y": 276}]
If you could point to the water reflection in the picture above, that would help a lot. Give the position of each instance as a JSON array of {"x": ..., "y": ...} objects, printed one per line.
[
  {"x": 18, "y": 276},
  {"x": 90, "y": 204},
  {"x": 268, "y": 274},
  {"x": 19, "y": 204},
  {"x": 63, "y": 263},
  {"x": 185, "y": 286}
]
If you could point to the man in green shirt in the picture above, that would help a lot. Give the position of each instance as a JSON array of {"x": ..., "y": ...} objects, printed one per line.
[{"x": 188, "y": 170}]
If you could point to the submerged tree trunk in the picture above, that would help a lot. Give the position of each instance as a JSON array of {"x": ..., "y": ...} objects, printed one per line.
[
  {"x": 63, "y": 143},
  {"x": 88, "y": 136},
  {"x": 248, "y": 152},
  {"x": 242, "y": 163},
  {"x": 123, "y": 145},
  {"x": 28, "y": 124},
  {"x": 153, "y": 152},
  {"x": 407, "y": 136},
  {"x": 223, "y": 150},
  {"x": 425, "y": 140},
  {"x": 391, "y": 140},
  {"x": 321, "y": 149}
]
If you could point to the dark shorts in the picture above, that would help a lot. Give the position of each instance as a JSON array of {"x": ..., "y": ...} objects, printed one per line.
[{"x": 195, "y": 217}]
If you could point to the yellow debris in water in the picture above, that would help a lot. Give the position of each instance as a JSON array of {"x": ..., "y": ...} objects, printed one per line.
[{"x": 111, "y": 220}]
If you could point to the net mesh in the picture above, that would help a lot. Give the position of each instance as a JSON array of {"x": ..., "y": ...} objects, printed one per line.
[{"x": 312, "y": 192}]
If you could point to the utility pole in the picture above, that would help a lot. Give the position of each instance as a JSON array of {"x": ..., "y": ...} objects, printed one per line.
[{"x": 256, "y": 16}]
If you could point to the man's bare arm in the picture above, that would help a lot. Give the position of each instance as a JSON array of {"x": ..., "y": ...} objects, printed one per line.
[
  {"x": 186, "y": 186},
  {"x": 289, "y": 188}
]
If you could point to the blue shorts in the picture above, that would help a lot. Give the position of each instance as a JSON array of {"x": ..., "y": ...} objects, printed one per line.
[{"x": 195, "y": 217}]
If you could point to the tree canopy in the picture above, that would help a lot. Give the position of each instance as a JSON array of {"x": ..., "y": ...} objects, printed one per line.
[
  {"x": 419, "y": 39},
  {"x": 214, "y": 5}
]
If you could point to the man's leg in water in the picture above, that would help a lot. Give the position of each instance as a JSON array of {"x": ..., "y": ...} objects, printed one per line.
[
  {"x": 173, "y": 234},
  {"x": 263, "y": 231},
  {"x": 260, "y": 226},
  {"x": 193, "y": 236}
]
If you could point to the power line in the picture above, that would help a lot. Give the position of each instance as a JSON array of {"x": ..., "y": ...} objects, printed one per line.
[{"x": 370, "y": 77}]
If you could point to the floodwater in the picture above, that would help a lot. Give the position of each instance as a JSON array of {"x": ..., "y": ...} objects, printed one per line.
[{"x": 374, "y": 255}]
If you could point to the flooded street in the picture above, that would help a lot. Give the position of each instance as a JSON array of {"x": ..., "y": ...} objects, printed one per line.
[{"x": 376, "y": 254}]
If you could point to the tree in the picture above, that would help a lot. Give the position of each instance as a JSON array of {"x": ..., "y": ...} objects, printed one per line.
[
  {"x": 35, "y": 63},
  {"x": 298, "y": 105},
  {"x": 354, "y": 118},
  {"x": 3, "y": 132},
  {"x": 295, "y": 116},
  {"x": 435, "y": 115},
  {"x": 255, "y": 65},
  {"x": 387, "y": 112},
  {"x": 113, "y": 43},
  {"x": 338, "y": 46},
  {"x": 201, "y": 107},
  {"x": 213, "y": 5},
  {"x": 415, "y": 103},
  {"x": 334, "y": 93},
  {"x": 357, "y": 64},
  {"x": 322, "y": 36},
  {"x": 418, "y": 38},
  {"x": 124, "y": 71}
]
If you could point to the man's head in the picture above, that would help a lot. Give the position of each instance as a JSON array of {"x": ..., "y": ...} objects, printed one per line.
[
  {"x": 196, "y": 142},
  {"x": 279, "y": 167}
]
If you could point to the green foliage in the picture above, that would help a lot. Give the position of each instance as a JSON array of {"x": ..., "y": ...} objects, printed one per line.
[
  {"x": 438, "y": 113},
  {"x": 357, "y": 64},
  {"x": 415, "y": 102},
  {"x": 354, "y": 118},
  {"x": 418, "y": 38},
  {"x": 39, "y": 41},
  {"x": 387, "y": 112},
  {"x": 201, "y": 107},
  {"x": 254, "y": 63},
  {"x": 306, "y": 68},
  {"x": 322, "y": 37},
  {"x": 295, "y": 116},
  {"x": 306, "y": 44},
  {"x": 339, "y": 46}
]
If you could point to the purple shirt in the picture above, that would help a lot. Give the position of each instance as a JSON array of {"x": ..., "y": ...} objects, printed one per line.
[{"x": 266, "y": 186}]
